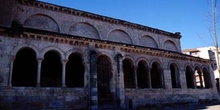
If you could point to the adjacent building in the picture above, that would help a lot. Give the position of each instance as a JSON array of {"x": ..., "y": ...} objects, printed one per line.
[
  {"x": 208, "y": 52},
  {"x": 58, "y": 57}
]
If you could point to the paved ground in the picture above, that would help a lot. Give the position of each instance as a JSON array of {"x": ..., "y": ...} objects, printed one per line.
[{"x": 189, "y": 107}]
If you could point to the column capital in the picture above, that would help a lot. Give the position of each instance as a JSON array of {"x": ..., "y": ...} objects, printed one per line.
[
  {"x": 40, "y": 59},
  {"x": 12, "y": 58},
  {"x": 64, "y": 61}
]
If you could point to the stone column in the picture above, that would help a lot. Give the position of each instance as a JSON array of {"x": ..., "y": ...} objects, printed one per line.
[
  {"x": 200, "y": 79},
  {"x": 39, "y": 71},
  {"x": 135, "y": 77},
  {"x": 166, "y": 79},
  {"x": 149, "y": 78},
  {"x": 93, "y": 80},
  {"x": 182, "y": 77},
  {"x": 11, "y": 70},
  {"x": 120, "y": 80},
  {"x": 64, "y": 72}
]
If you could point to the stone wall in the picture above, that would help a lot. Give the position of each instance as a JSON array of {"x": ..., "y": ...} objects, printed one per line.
[
  {"x": 40, "y": 17},
  {"x": 43, "y": 98},
  {"x": 159, "y": 97}
]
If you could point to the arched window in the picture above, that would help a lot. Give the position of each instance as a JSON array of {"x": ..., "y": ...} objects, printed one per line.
[
  {"x": 142, "y": 75},
  {"x": 189, "y": 77},
  {"x": 51, "y": 71},
  {"x": 128, "y": 69},
  {"x": 156, "y": 76},
  {"x": 74, "y": 71},
  {"x": 175, "y": 76},
  {"x": 25, "y": 68}
]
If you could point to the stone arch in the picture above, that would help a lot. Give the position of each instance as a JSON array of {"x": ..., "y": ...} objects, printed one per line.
[
  {"x": 130, "y": 58},
  {"x": 24, "y": 71},
  {"x": 128, "y": 70},
  {"x": 75, "y": 50},
  {"x": 42, "y": 22},
  {"x": 157, "y": 61},
  {"x": 103, "y": 53},
  {"x": 142, "y": 74},
  {"x": 148, "y": 41},
  {"x": 118, "y": 35},
  {"x": 170, "y": 45},
  {"x": 142, "y": 59},
  {"x": 189, "y": 74},
  {"x": 175, "y": 76},
  {"x": 56, "y": 49},
  {"x": 17, "y": 48},
  {"x": 84, "y": 29},
  {"x": 156, "y": 74}
]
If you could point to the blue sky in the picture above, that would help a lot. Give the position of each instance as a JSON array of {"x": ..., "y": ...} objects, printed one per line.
[{"x": 190, "y": 17}]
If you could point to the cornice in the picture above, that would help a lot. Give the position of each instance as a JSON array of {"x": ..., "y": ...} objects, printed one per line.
[
  {"x": 66, "y": 10},
  {"x": 34, "y": 34}
]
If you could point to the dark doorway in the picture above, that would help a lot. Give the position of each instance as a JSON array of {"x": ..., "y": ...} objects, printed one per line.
[
  {"x": 156, "y": 77},
  {"x": 104, "y": 75},
  {"x": 189, "y": 77},
  {"x": 142, "y": 75},
  {"x": 25, "y": 68},
  {"x": 128, "y": 70},
  {"x": 51, "y": 71},
  {"x": 75, "y": 71}
]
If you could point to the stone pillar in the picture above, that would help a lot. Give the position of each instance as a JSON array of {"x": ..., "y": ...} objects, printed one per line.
[
  {"x": 11, "y": 70},
  {"x": 149, "y": 78},
  {"x": 64, "y": 72},
  {"x": 39, "y": 71},
  {"x": 167, "y": 79},
  {"x": 135, "y": 77},
  {"x": 93, "y": 80},
  {"x": 120, "y": 81},
  {"x": 183, "y": 82},
  {"x": 200, "y": 79}
]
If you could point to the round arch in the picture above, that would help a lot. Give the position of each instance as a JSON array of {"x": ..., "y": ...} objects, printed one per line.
[
  {"x": 21, "y": 46},
  {"x": 56, "y": 49},
  {"x": 42, "y": 22},
  {"x": 170, "y": 45},
  {"x": 119, "y": 35},
  {"x": 75, "y": 50},
  {"x": 142, "y": 59},
  {"x": 84, "y": 29},
  {"x": 148, "y": 41}
]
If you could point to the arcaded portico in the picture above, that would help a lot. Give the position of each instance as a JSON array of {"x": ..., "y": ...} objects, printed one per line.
[{"x": 83, "y": 60}]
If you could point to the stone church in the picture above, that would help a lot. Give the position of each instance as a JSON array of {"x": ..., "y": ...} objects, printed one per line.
[{"x": 58, "y": 57}]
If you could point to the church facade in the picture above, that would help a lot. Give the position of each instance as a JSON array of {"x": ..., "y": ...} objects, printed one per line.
[{"x": 58, "y": 57}]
